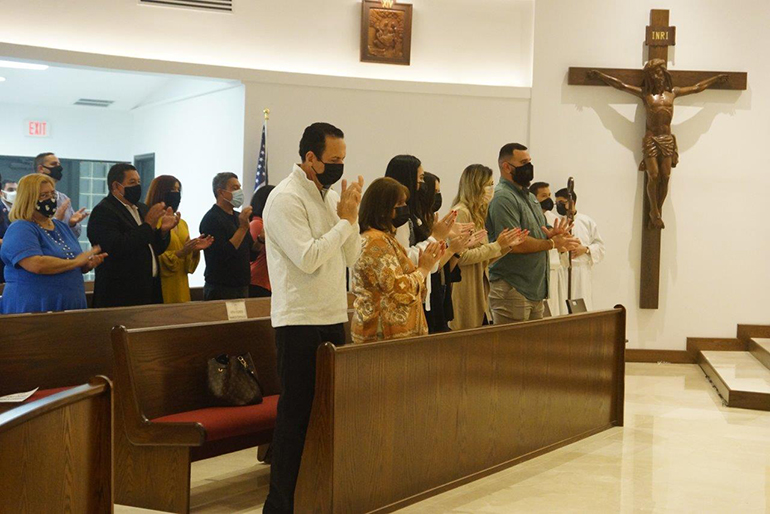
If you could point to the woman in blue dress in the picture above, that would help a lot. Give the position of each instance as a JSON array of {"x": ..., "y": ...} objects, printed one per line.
[{"x": 43, "y": 263}]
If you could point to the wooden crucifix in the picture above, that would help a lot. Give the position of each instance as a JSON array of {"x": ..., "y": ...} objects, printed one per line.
[{"x": 658, "y": 88}]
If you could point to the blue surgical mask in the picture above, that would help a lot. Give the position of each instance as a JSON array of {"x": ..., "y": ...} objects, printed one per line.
[{"x": 238, "y": 198}]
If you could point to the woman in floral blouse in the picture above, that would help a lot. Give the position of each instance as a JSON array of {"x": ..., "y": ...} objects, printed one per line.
[{"x": 389, "y": 288}]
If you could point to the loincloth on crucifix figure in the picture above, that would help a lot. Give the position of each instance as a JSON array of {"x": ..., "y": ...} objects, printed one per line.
[{"x": 655, "y": 147}]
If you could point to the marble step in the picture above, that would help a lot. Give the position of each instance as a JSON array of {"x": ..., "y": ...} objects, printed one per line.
[
  {"x": 741, "y": 379},
  {"x": 760, "y": 349}
]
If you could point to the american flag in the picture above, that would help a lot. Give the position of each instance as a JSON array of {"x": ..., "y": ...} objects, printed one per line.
[{"x": 261, "y": 179}]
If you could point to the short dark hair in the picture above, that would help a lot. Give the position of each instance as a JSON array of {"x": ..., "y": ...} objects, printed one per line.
[
  {"x": 220, "y": 181},
  {"x": 506, "y": 152},
  {"x": 314, "y": 139},
  {"x": 377, "y": 205},
  {"x": 564, "y": 193},
  {"x": 40, "y": 159},
  {"x": 259, "y": 200},
  {"x": 118, "y": 173},
  {"x": 537, "y": 186}
]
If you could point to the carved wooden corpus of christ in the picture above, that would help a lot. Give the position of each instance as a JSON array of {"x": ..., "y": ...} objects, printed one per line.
[
  {"x": 658, "y": 88},
  {"x": 661, "y": 152}
]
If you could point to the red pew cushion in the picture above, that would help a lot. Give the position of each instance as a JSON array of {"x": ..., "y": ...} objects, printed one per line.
[
  {"x": 44, "y": 393},
  {"x": 225, "y": 422}
]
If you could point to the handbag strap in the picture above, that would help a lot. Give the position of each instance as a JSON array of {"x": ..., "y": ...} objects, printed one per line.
[{"x": 249, "y": 372}]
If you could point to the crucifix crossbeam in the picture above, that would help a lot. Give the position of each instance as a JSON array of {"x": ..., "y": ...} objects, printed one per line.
[{"x": 657, "y": 87}]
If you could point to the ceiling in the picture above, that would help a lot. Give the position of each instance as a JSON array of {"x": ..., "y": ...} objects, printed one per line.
[{"x": 62, "y": 86}]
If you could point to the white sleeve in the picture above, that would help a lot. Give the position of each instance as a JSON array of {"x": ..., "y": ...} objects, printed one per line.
[
  {"x": 288, "y": 227},
  {"x": 596, "y": 245}
]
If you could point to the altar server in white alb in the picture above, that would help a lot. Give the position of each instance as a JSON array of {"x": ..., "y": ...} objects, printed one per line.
[{"x": 590, "y": 253}]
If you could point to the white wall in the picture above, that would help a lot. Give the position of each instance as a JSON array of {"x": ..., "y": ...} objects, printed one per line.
[
  {"x": 480, "y": 42},
  {"x": 76, "y": 132},
  {"x": 714, "y": 271},
  {"x": 194, "y": 140},
  {"x": 447, "y": 132}
]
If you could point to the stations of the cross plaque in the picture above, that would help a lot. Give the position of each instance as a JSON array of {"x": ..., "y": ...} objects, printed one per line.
[{"x": 658, "y": 88}]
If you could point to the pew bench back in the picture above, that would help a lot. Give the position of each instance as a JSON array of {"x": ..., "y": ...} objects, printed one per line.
[
  {"x": 169, "y": 364},
  {"x": 57, "y": 452}
]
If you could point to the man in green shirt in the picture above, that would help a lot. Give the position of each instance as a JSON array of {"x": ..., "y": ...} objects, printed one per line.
[{"x": 519, "y": 280}]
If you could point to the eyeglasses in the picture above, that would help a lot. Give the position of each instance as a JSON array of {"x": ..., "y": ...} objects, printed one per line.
[{"x": 46, "y": 196}]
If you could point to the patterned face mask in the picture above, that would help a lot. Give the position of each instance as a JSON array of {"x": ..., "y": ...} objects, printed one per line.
[{"x": 47, "y": 207}]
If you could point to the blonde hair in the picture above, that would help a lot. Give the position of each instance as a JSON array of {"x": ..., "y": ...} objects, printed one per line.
[
  {"x": 470, "y": 193},
  {"x": 25, "y": 204}
]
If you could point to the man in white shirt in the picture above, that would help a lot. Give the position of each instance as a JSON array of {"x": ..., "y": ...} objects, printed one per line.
[
  {"x": 590, "y": 252},
  {"x": 557, "y": 287},
  {"x": 312, "y": 237}
]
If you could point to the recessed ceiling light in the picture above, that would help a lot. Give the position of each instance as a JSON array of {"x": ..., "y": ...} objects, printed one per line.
[{"x": 23, "y": 65}]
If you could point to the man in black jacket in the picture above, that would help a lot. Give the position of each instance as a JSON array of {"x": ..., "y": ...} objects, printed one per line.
[{"x": 129, "y": 231}]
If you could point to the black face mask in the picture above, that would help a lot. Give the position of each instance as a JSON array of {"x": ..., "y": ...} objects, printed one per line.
[
  {"x": 332, "y": 173},
  {"x": 47, "y": 207},
  {"x": 561, "y": 209},
  {"x": 547, "y": 204},
  {"x": 173, "y": 199},
  {"x": 55, "y": 172},
  {"x": 402, "y": 216},
  {"x": 437, "y": 201},
  {"x": 523, "y": 175},
  {"x": 133, "y": 194}
]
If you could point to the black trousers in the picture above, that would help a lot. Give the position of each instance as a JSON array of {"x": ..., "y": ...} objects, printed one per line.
[
  {"x": 213, "y": 292},
  {"x": 259, "y": 292},
  {"x": 297, "y": 347}
]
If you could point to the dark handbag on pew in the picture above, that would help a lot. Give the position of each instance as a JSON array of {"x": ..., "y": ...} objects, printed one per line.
[{"x": 233, "y": 380}]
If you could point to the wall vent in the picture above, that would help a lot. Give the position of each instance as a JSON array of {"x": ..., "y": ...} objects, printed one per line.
[
  {"x": 206, "y": 5},
  {"x": 90, "y": 102}
]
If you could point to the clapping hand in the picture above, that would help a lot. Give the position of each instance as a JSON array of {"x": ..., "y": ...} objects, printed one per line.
[
  {"x": 350, "y": 200},
  {"x": 460, "y": 242},
  {"x": 154, "y": 214},
  {"x": 559, "y": 227},
  {"x": 477, "y": 238},
  {"x": 169, "y": 220},
  {"x": 78, "y": 216},
  {"x": 509, "y": 238},
  {"x": 442, "y": 227},
  {"x": 201, "y": 243},
  {"x": 61, "y": 210},
  {"x": 90, "y": 259},
  {"x": 430, "y": 257}
]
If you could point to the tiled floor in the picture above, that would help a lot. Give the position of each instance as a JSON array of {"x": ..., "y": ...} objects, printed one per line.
[{"x": 680, "y": 451}]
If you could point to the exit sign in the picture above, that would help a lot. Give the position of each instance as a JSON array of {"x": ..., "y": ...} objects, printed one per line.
[{"x": 37, "y": 129}]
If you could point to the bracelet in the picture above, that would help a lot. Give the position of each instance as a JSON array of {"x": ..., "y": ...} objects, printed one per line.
[
  {"x": 458, "y": 255},
  {"x": 553, "y": 244}
]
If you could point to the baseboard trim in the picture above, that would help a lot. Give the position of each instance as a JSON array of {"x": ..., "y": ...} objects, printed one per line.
[
  {"x": 695, "y": 345},
  {"x": 670, "y": 356}
]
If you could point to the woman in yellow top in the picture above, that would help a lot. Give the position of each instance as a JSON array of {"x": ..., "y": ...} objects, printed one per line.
[
  {"x": 469, "y": 296},
  {"x": 183, "y": 254},
  {"x": 389, "y": 288}
]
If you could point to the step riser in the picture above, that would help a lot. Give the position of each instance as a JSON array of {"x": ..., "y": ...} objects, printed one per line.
[
  {"x": 727, "y": 387},
  {"x": 760, "y": 353},
  {"x": 710, "y": 372}
]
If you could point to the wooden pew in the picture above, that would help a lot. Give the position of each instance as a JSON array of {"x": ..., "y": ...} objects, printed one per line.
[
  {"x": 396, "y": 422},
  {"x": 57, "y": 452},
  {"x": 66, "y": 348},
  {"x": 161, "y": 373},
  {"x": 57, "y": 349}
]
